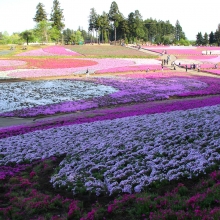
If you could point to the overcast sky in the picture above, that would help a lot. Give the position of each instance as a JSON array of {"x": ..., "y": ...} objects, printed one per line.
[{"x": 194, "y": 15}]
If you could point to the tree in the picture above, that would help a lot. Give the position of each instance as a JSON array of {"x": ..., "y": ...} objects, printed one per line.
[
  {"x": 104, "y": 25},
  {"x": 217, "y": 37},
  {"x": 114, "y": 16},
  {"x": 42, "y": 30},
  {"x": 205, "y": 39},
  {"x": 27, "y": 35},
  {"x": 57, "y": 16},
  {"x": 67, "y": 35},
  {"x": 199, "y": 39},
  {"x": 41, "y": 14},
  {"x": 179, "y": 34},
  {"x": 92, "y": 22},
  {"x": 211, "y": 38},
  {"x": 151, "y": 25}
]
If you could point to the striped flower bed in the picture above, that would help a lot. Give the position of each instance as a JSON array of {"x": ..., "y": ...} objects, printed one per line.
[{"x": 128, "y": 153}]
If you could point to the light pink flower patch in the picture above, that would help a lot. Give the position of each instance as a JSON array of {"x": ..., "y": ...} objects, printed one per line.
[
  {"x": 156, "y": 75},
  {"x": 132, "y": 68},
  {"x": 10, "y": 63},
  {"x": 38, "y": 52},
  {"x": 59, "y": 50},
  {"x": 213, "y": 60},
  {"x": 201, "y": 57},
  {"x": 214, "y": 71},
  {"x": 101, "y": 64}
]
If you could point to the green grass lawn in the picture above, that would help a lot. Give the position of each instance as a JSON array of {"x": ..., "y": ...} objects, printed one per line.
[{"x": 102, "y": 51}]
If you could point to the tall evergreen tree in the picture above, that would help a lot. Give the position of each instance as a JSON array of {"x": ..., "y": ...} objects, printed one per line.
[
  {"x": 179, "y": 34},
  {"x": 211, "y": 38},
  {"x": 57, "y": 16},
  {"x": 199, "y": 38},
  {"x": 205, "y": 39},
  {"x": 92, "y": 21},
  {"x": 217, "y": 37},
  {"x": 114, "y": 16},
  {"x": 41, "y": 14}
]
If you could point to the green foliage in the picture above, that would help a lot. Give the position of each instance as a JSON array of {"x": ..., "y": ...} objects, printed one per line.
[
  {"x": 57, "y": 16},
  {"x": 199, "y": 39},
  {"x": 27, "y": 35},
  {"x": 41, "y": 14},
  {"x": 42, "y": 30}
]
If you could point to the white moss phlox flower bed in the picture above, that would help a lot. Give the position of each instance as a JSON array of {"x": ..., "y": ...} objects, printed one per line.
[
  {"x": 27, "y": 94},
  {"x": 127, "y": 154}
]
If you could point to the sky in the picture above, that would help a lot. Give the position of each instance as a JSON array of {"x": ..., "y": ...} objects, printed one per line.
[{"x": 194, "y": 15}]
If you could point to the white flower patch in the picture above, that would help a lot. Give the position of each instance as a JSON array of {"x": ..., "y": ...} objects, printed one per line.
[
  {"x": 126, "y": 154},
  {"x": 19, "y": 95}
]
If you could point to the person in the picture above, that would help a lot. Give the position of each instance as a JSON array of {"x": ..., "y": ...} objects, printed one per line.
[
  {"x": 198, "y": 68},
  {"x": 162, "y": 67},
  {"x": 186, "y": 68},
  {"x": 216, "y": 66},
  {"x": 87, "y": 72},
  {"x": 210, "y": 52},
  {"x": 147, "y": 70},
  {"x": 167, "y": 61}
]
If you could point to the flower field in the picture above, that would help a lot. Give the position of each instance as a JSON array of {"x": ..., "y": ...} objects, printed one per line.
[{"x": 118, "y": 142}]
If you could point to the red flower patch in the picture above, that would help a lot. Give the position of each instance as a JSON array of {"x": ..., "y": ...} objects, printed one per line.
[{"x": 53, "y": 63}]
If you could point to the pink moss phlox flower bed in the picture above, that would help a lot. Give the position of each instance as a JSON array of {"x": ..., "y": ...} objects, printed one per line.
[
  {"x": 214, "y": 71},
  {"x": 109, "y": 114},
  {"x": 173, "y": 50},
  {"x": 132, "y": 68},
  {"x": 50, "y": 51},
  {"x": 59, "y": 50},
  {"x": 11, "y": 64},
  {"x": 8, "y": 63},
  {"x": 198, "y": 57},
  {"x": 5, "y": 68},
  {"x": 54, "y": 63},
  {"x": 202, "y": 66},
  {"x": 6, "y": 171},
  {"x": 180, "y": 50},
  {"x": 101, "y": 64},
  {"x": 213, "y": 60},
  {"x": 38, "y": 52}
]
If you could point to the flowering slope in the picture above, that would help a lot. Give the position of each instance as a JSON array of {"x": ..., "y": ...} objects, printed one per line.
[
  {"x": 38, "y": 52},
  {"x": 59, "y": 67},
  {"x": 59, "y": 50},
  {"x": 183, "y": 50},
  {"x": 127, "y": 154},
  {"x": 50, "y": 51},
  {"x": 19, "y": 95},
  {"x": 53, "y": 63},
  {"x": 129, "y": 90}
]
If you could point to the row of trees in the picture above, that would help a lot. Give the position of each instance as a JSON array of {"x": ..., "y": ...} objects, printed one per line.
[
  {"x": 111, "y": 26},
  {"x": 114, "y": 26},
  {"x": 212, "y": 39}
]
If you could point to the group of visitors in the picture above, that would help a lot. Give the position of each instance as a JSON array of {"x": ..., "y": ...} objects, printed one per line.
[{"x": 193, "y": 66}]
